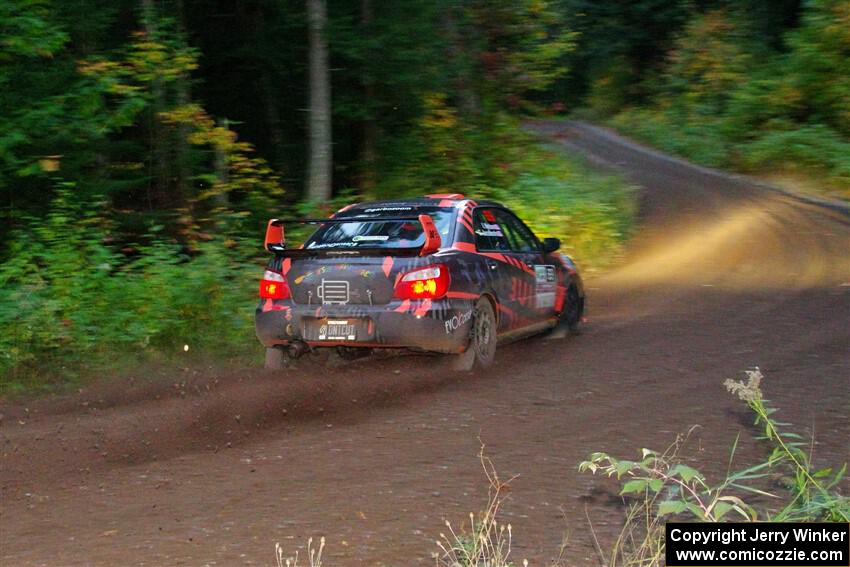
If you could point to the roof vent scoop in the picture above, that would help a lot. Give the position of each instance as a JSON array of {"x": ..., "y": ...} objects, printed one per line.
[{"x": 452, "y": 196}]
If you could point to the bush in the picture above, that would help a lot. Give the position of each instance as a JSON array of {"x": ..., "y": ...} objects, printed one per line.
[
  {"x": 813, "y": 149},
  {"x": 66, "y": 295},
  {"x": 725, "y": 102},
  {"x": 699, "y": 139}
]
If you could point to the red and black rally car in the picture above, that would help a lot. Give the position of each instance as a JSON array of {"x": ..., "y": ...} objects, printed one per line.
[{"x": 441, "y": 274}]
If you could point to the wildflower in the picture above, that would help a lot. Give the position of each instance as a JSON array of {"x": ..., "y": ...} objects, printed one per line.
[{"x": 749, "y": 392}]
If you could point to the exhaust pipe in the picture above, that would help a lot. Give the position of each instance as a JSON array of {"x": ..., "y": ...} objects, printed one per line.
[{"x": 297, "y": 349}]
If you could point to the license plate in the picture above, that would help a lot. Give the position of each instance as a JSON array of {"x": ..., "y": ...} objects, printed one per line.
[{"x": 337, "y": 330}]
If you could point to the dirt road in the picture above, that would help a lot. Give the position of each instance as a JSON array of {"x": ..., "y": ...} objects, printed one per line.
[{"x": 213, "y": 468}]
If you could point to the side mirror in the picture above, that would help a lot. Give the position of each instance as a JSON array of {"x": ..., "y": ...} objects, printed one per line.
[
  {"x": 551, "y": 244},
  {"x": 275, "y": 241}
]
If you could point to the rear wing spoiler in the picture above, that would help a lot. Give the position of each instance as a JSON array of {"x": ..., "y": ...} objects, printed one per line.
[{"x": 276, "y": 242}]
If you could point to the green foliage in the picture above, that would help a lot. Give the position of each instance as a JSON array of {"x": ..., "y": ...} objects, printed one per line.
[
  {"x": 26, "y": 30},
  {"x": 706, "y": 63},
  {"x": 660, "y": 486},
  {"x": 486, "y": 541},
  {"x": 609, "y": 89},
  {"x": 619, "y": 48},
  {"x": 148, "y": 81},
  {"x": 815, "y": 148},
  {"x": 780, "y": 147},
  {"x": 814, "y": 496},
  {"x": 137, "y": 77},
  {"x": 700, "y": 140},
  {"x": 67, "y": 296},
  {"x": 522, "y": 47},
  {"x": 819, "y": 63},
  {"x": 557, "y": 196},
  {"x": 725, "y": 102},
  {"x": 29, "y": 41}
]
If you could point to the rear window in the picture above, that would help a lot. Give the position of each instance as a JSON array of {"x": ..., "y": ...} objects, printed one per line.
[{"x": 380, "y": 234}]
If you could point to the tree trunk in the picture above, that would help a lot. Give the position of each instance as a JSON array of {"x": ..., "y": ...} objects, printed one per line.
[
  {"x": 181, "y": 146},
  {"x": 158, "y": 144},
  {"x": 368, "y": 153},
  {"x": 270, "y": 102},
  {"x": 458, "y": 55},
  {"x": 222, "y": 199},
  {"x": 321, "y": 160}
]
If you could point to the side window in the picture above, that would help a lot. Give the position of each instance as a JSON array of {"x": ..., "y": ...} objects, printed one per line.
[
  {"x": 489, "y": 236},
  {"x": 520, "y": 236}
]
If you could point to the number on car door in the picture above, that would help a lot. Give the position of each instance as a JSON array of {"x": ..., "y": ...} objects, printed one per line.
[{"x": 539, "y": 302}]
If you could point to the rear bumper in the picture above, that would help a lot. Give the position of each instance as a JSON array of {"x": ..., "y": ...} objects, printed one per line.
[{"x": 438, "y": 326}]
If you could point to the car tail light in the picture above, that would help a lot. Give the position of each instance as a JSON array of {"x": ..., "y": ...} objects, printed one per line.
[
  {"x": 273, "y": 286},
  {"x": 425, "y": 283}
]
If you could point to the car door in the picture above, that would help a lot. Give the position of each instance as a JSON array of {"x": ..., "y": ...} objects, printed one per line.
[
  {"x": 492, "y": 243},
  {"x": 538, "y": 296}
]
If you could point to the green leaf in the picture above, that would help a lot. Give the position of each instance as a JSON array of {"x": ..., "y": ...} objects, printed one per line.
[
  {"x": 696, "y": 511},
  {"x": 823, "y": 473},
  {"x": 720, "y": 509},
  {"x": 671, "y": 507},
  {"x": 686, "y": 473},
  {"x": 622, "y": 467},
  {"x": 635, "y": 485},
  {"x": 644, "y": 453},
  {"x": 656, "y": 484}
]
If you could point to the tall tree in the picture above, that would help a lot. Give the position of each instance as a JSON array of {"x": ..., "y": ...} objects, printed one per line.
[
  {"x": 321, "y": 152},
  {"x": 370, "y": 128}
]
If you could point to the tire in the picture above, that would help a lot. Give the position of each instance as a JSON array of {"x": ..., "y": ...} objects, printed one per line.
[
  {"x": 570, "y": 317},
  {"x": 481, "y": 351},
  {"x": 275, "y": 358}
]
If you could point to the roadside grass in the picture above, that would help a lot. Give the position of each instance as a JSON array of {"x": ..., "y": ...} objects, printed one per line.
[
  {"x": 810, "y": 158},
  {"x": 76, "y": 305},
  {"x": 72, "y": 307},
  {"x": 559, "y": 196},
  {"x": 313, "y": 555},
  {"x": 486, "y": 541},
  {"x": 659, "y": 487}
]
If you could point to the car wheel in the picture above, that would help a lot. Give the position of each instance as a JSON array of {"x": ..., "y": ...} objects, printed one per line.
[
  {"x": 482, "y": 339},
  {"x": 275, "y": 358},
  {"x": 571, "y": 315}
]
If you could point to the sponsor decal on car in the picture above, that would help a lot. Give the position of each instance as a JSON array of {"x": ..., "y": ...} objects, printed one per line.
[
  {"x": 546, "y": 282},
  {"x": 384, "y": 209},
  {"x": 457, "y": 321},
  {"x": 334, "y": 292},
  {"x": 315, "y": 246},
  {"x": 488, "y": 229},
  {"x": 368, "y": 238}
]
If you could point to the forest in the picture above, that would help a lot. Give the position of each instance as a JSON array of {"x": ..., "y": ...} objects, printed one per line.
[{"x": 143, "y": 143}]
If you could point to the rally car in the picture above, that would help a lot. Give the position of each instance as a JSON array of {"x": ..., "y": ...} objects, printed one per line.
[{"x": 441, "y": 274}]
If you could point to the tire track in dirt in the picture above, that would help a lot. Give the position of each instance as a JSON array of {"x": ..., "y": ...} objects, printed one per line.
[{"x": 97, "y": 429}]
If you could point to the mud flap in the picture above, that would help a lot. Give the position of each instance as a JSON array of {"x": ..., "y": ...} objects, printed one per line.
[
  {"x": 465, "y": 361},
  {"x": 275, "y": 358}
]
